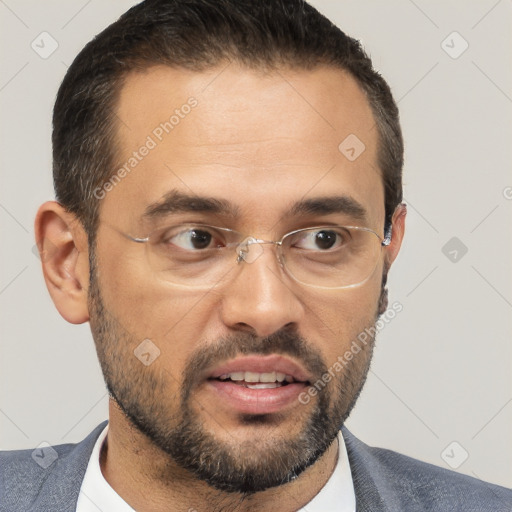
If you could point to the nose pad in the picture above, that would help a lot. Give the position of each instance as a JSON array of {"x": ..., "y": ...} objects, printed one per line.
[{"x": 249, "y": 250}]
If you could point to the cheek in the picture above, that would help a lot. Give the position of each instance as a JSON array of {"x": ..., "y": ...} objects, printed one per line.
[
  {"x": 147, "y": 308},
  {"x": 338, "y": 317}
]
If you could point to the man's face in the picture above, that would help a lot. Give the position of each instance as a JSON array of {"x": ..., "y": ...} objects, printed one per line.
[{"x": 259, "y": 144}]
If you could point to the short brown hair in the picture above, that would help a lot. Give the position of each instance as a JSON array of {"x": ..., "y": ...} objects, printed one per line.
[{"x": 197, "y": 35}]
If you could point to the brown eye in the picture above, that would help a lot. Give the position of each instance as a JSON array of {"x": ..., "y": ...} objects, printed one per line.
[
  {"x": 192, "y": 239},
  {"x": 322, "y": 239},
  {"x": 200, "y": 239},
  {"x": 325, "y": 239}
]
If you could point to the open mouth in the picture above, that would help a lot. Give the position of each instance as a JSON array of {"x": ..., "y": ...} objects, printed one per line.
[
  {"x": 257, "y": 384},
  {"x": 255, "y": 380}
]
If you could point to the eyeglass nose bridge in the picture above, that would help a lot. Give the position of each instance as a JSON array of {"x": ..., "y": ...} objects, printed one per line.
[{"x": 250, "y": 256}]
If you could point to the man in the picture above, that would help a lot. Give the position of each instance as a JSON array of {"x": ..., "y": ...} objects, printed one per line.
[{"x": 228, "y": 177}]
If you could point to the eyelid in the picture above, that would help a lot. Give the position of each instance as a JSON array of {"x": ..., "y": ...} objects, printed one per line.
[
  {"x": 309, "y": 233},
  {"x": 183, "y": 219},
  {"x": 226, "y": 235},
  {"x": 320, "y": 227},
  {"x": 185, "y": 226}
]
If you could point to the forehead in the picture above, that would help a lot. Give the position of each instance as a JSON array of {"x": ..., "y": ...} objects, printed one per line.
[{"x": 260, "y": 140}]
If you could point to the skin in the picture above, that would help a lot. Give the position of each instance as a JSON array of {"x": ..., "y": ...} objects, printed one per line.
[{"x": 261, "y": 141}]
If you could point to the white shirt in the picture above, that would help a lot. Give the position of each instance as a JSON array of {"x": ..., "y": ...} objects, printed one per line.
[{"x": 96, "y": 495}]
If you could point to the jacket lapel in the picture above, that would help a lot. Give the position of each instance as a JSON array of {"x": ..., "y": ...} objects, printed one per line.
[
  {"x": 61, "y": 488},
  {"x": 371, "y": 481}
]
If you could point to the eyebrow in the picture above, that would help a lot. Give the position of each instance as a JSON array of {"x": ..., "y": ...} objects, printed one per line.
[
  {"x": 330, "y": 204},
  {"x": 179, "y": 202}
]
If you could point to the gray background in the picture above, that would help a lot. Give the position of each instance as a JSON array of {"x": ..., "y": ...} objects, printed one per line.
[{"x": 442, "y": 368}]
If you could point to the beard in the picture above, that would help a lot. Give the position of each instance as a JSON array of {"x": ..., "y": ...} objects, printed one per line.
[{"x": 174, "y": 425}]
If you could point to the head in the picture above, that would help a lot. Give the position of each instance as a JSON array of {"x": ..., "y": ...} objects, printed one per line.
[{"x": 233, "y": 114}]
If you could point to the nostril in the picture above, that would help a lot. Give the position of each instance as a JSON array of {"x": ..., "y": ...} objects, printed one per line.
[{"x": 241, "y": 326}]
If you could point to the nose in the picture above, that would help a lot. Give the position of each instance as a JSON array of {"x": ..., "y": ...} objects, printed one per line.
[{"x": 260, "y": 298}]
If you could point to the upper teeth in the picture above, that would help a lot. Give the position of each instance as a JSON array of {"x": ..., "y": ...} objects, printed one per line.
[{"x": 257, "y": 377}]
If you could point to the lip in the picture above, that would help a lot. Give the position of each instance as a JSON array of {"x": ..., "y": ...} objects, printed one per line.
[
  {"x": 262, "y": 364},
  {"x": 256, "y": 401},
  {"x": 241, "y": 399}
]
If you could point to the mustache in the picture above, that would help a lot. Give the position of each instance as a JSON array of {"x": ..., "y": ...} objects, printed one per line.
[{"x": 286, "y": 342}]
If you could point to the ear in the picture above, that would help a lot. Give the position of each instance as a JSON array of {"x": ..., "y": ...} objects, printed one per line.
[
  {"x": 63, "y": 249},
  {"x": 397, "y": 234}
]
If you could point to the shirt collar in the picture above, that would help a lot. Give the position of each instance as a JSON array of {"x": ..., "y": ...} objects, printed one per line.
[{"x": 337, "y": 495}]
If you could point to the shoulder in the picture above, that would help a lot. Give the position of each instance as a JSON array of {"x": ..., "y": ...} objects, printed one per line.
[
  {"x": 37, "y": 479},
  {"x": 401, "y": 482}
]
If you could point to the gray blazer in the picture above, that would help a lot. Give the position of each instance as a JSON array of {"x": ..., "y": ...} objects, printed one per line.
[{"x": 383, "y": 480}]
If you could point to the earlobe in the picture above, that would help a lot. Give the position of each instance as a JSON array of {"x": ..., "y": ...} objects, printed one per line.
[
  {"x": 63, "y": 250},
  {"x": 398, "y": 223}
]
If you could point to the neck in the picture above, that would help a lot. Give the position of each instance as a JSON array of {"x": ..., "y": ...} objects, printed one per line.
[{"x": 148, "y": 480}]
